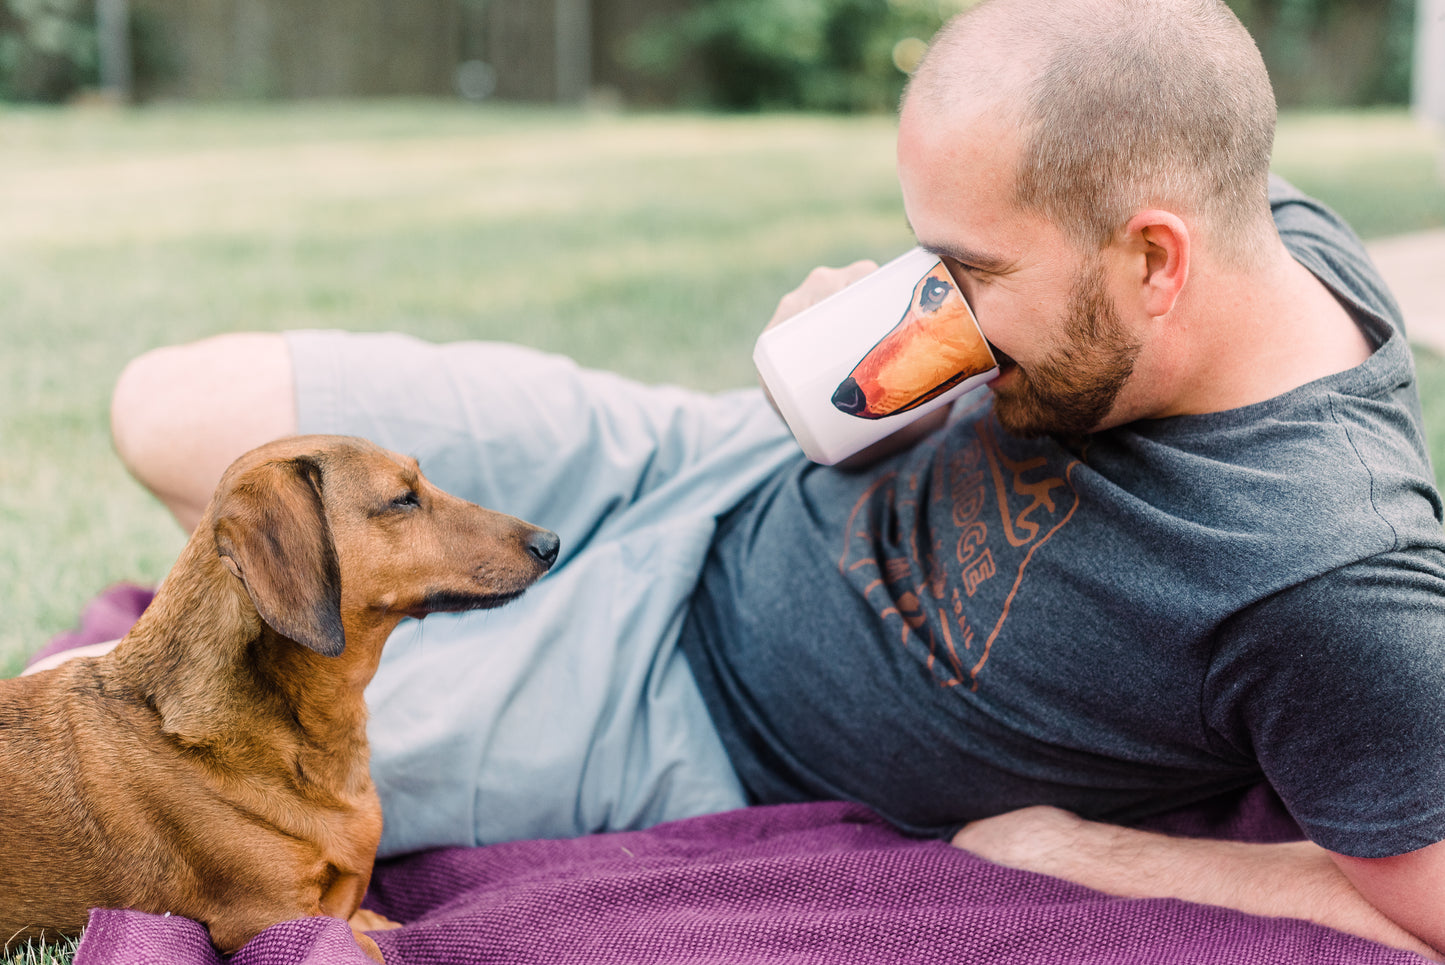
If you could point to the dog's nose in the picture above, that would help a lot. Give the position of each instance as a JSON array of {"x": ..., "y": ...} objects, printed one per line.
[
  {"x": 544, "y": 545},
  {"x": 849, "y": 397}
]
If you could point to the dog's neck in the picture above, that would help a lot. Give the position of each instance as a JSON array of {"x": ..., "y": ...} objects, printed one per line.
[{"x": 206, "y": 662}]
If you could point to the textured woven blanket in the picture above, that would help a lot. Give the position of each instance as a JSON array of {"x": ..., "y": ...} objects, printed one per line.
[{"x": 811, "y": 883}]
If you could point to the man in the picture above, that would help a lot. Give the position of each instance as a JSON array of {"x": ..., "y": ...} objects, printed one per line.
[{"x": 1188, "y": 543}]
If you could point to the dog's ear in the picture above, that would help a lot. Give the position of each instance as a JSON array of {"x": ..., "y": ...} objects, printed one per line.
[{"x": 271, "y": 531}]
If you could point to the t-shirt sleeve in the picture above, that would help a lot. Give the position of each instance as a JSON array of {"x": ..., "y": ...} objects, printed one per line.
[{"x": 1337, "y": 688}]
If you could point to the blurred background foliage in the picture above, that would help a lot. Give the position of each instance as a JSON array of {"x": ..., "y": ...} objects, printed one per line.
[
  {"x": 827, "y": 55},
  {"x": 830, "y": 55},
  {"x": 48, "y": 48},
  {"x": 853, "y": 55},
  {"x": 1334, "y": 53}
]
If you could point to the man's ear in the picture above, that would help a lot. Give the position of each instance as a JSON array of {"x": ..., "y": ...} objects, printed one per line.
[{"x": 1158, "y": 244}]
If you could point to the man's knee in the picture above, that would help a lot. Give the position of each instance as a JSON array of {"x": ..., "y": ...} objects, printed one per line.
[{"x": 181, "y": 414}]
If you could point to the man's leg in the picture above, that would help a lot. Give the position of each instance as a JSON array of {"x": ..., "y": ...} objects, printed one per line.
[
  {"x": 570, "y": 710},
  {"x": 181, "y": 414}
]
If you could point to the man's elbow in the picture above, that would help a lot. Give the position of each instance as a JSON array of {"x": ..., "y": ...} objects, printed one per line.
[{"x": 1407, "y": 889}]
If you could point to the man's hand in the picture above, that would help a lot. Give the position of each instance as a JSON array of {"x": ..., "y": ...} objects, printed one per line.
[
  {"x": 1296, "y": 880},
  {"x": 820, "y": 283}
]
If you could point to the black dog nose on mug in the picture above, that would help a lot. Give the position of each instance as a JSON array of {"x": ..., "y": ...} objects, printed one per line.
[{"x": 849, "y": 398}]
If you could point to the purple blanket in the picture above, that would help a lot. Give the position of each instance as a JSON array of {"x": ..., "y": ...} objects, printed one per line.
[{"x": 825, "y": 883}]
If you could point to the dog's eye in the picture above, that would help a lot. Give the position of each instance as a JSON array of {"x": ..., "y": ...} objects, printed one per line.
[{"x": 407, "y": 500}]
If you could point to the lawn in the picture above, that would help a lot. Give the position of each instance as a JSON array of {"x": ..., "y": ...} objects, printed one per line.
[
  {"x": 34, "y": 953},
  {"x": 653, "y": 244}
]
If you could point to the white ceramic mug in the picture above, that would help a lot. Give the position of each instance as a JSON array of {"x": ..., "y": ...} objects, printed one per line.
[{"x": 870, "y": 359}]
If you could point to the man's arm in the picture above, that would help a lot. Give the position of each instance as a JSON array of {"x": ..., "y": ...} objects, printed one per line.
[
  {"x": 1395, "y": 901},
  {"x": 1408, "y": 888}
]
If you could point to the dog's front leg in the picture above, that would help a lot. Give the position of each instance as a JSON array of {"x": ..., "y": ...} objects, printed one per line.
[
  {"x": 367, "y": 920},
  {"x": 363, "y": 920},
  {"x": 343, "y": 900},
  {"x": 364, "y": 941}
]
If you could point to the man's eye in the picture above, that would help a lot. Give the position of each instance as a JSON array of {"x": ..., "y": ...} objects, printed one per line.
[
  {"x": 958, "y": 268},
  {"x": 934, "y": 293}
]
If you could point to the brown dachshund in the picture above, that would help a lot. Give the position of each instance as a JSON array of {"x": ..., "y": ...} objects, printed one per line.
[{"x": 214, "y": 764}]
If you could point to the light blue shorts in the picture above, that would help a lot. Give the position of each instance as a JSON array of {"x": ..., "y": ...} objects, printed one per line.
[{"x": 570, "y": 711}]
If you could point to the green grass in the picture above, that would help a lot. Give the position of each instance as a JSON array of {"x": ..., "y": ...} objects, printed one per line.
[
  {"x": 1384, "y": 174},
  {"x": 59, "y": 953},
  {"x": 652, "y": 244},
  {"x": 655, "y": 245}
]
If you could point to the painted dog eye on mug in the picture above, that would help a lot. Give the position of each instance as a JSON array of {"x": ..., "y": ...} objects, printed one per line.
[
  {"x": 934, "y": 293},
  {"x": 934, "y": 347}
]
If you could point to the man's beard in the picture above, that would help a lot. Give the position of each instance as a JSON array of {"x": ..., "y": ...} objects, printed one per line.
[{"x": 1072, "y": 390}]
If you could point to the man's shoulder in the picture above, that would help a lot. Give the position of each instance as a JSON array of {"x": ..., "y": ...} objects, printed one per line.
[
  {"x": 1349, "y": 448},
  {"x": 1323, "y": 242}
]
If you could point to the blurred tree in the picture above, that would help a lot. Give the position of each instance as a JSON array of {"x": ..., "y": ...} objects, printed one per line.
[
  {"x": 837, "y": 55},
  {"x": 854, "y": 54},
  {"x": 1334, "y": 52},
  {"x": 116, "y": 65},
  {"x": 47, "y": 48}
]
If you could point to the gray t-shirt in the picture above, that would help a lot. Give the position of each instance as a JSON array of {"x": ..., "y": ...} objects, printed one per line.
[{"x": 1119, "y": 625}]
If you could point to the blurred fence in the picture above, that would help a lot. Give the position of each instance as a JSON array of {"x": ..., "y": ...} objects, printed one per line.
[
  {"x": 529, "y": 50},
  {"x": 317, "y": 48}
]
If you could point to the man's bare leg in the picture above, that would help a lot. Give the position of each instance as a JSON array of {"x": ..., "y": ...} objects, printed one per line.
[{"x": 180, "y": 415}]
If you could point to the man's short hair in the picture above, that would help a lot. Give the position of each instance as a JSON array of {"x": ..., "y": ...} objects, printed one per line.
[{"x": 1126, "y": 104}]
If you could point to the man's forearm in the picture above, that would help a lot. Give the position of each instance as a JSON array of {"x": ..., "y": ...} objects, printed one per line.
[{"x": 1296, "y": 880}]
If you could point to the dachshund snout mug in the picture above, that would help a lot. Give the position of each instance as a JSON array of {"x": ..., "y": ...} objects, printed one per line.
[{"x": 872, "y": 358}]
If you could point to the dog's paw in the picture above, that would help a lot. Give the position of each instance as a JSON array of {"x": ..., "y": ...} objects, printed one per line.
[{"x": 364, "y": 920}]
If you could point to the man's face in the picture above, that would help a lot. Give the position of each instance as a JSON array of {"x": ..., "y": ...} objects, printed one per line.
[
  {"x": 1073, "y": 389},
  {"x": 1065, "y": 354}
]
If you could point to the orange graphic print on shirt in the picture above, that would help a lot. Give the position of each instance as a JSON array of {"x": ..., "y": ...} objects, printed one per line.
[{"x": 983, "y": 516}]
